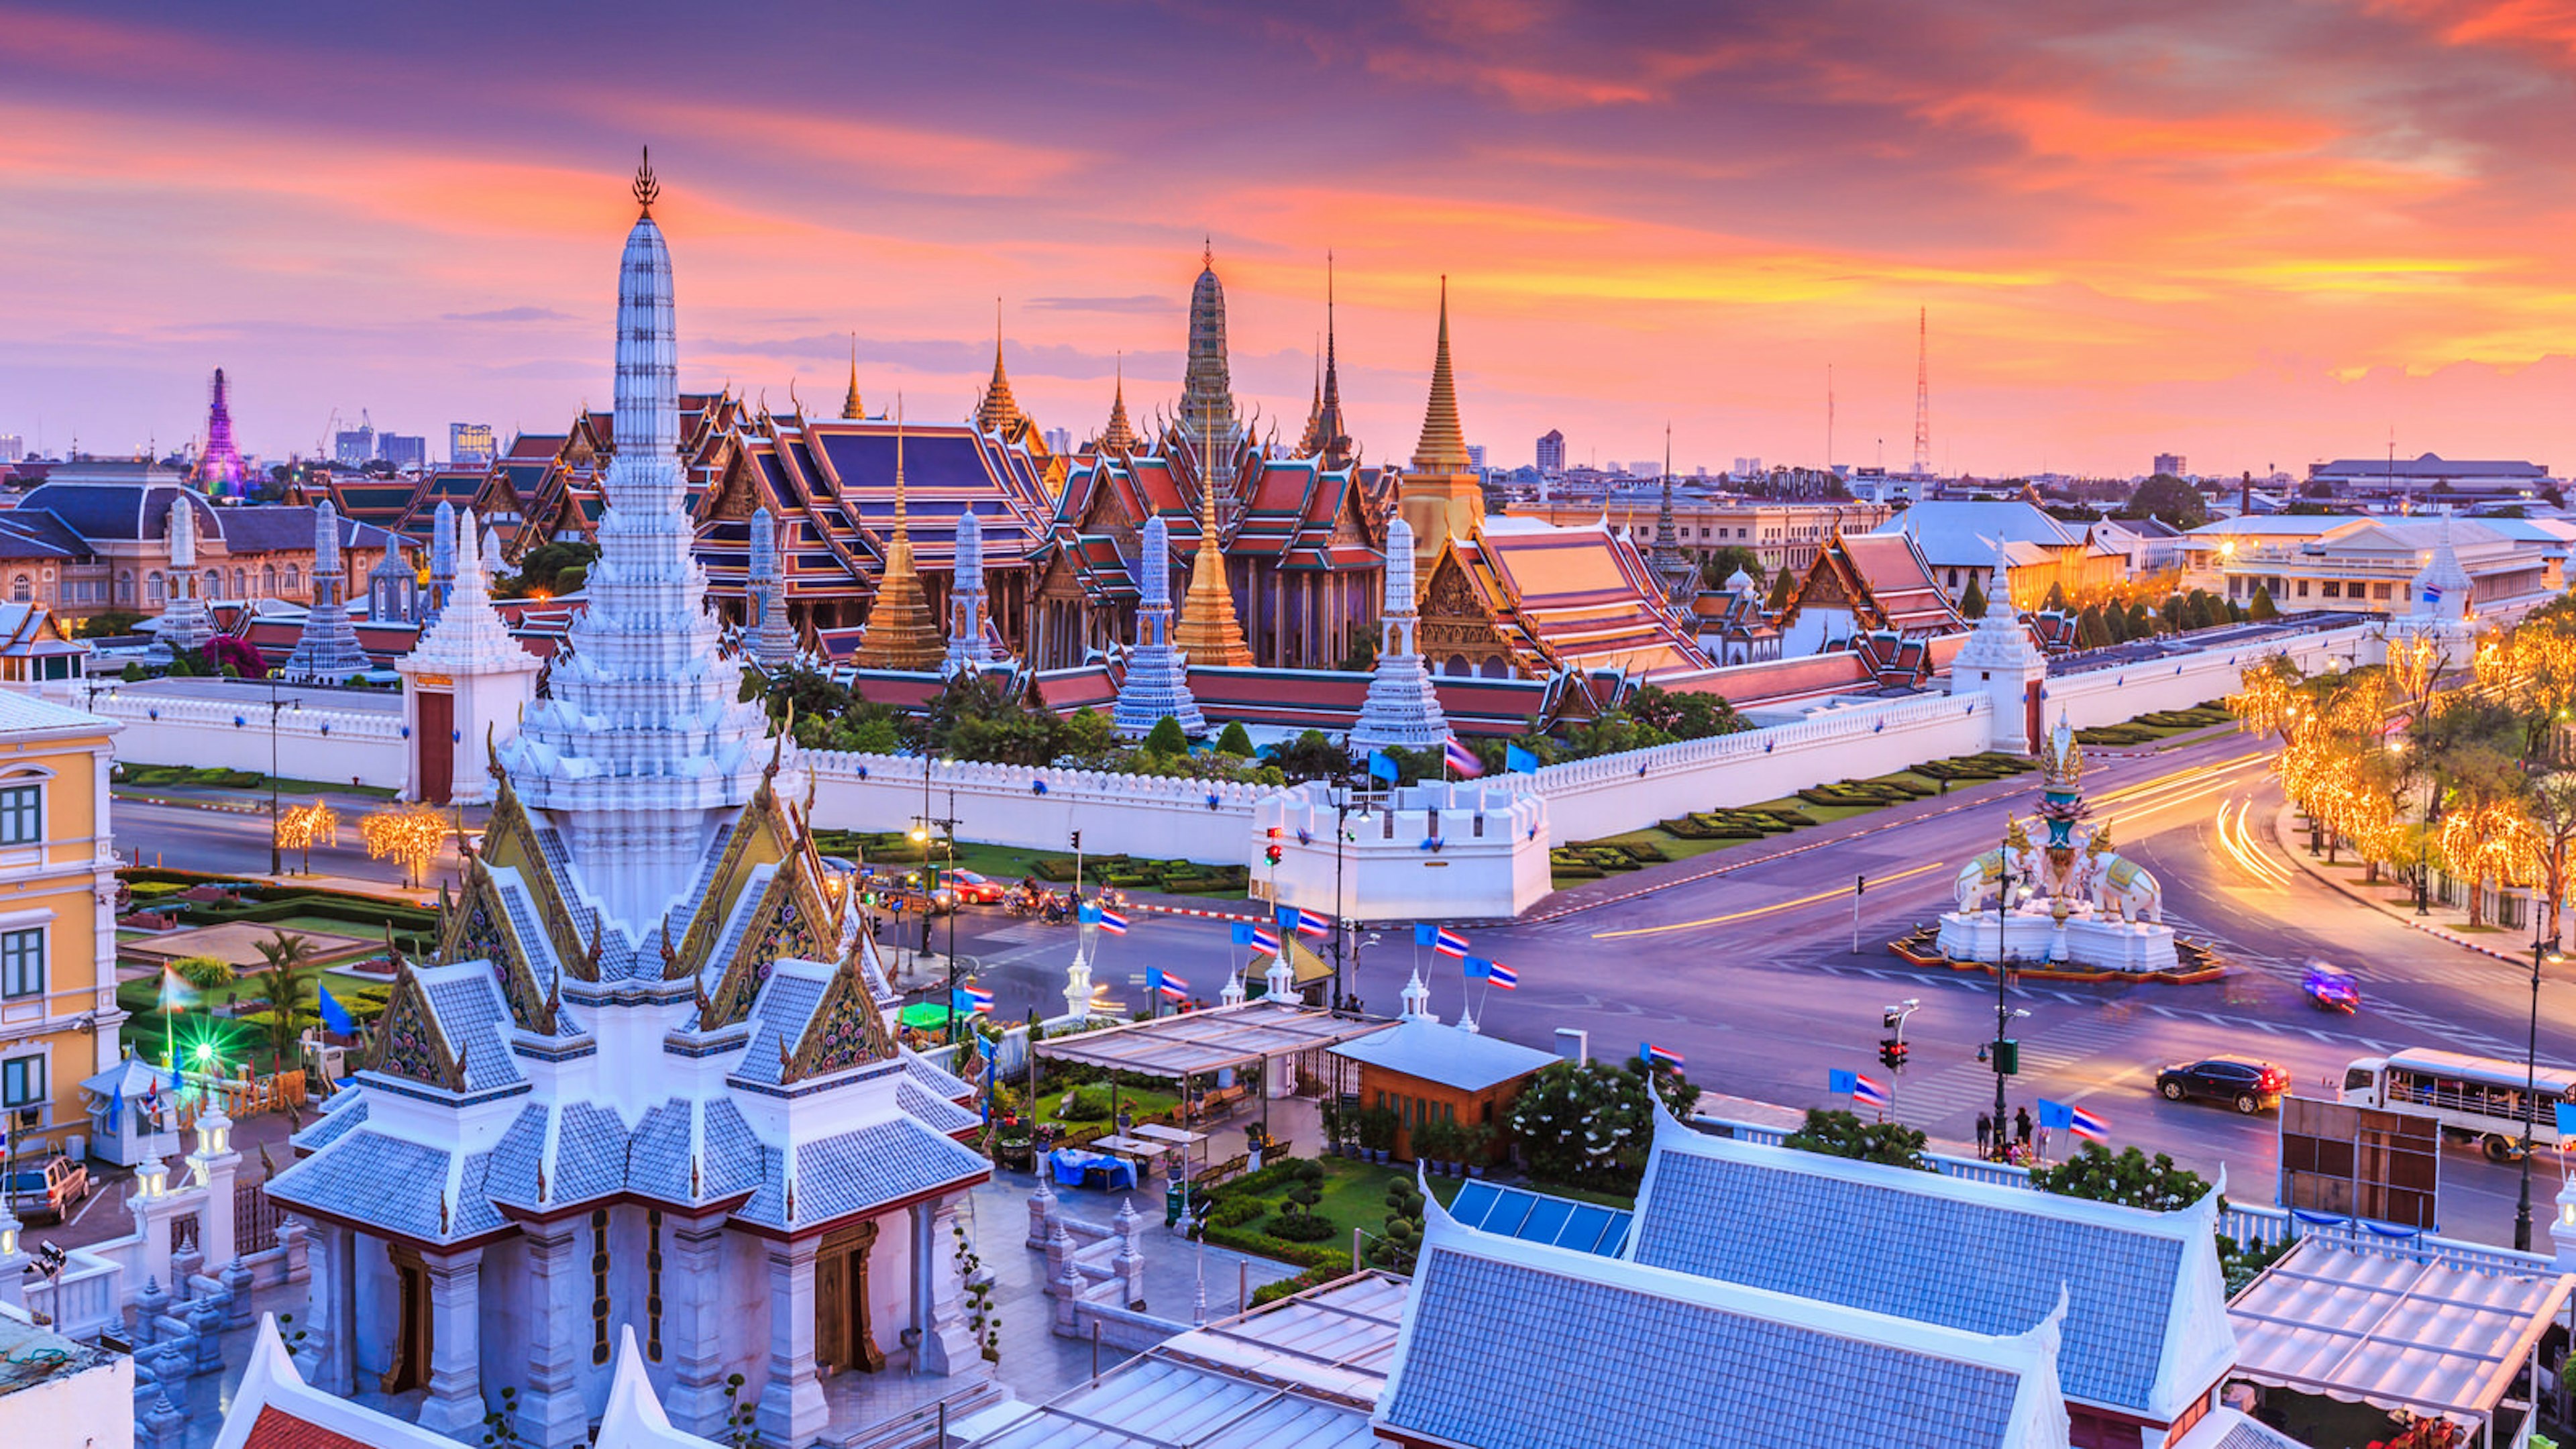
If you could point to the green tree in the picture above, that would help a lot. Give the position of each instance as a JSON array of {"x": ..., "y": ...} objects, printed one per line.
[
  {"x": 2089, "y": 628},
  {"x": 1089, "y": 734},
  {"x": 1361, "y": 657},
  {"x": 1724, "y": 564},
  {"x": 2131, "y": 1178},
  {"x": 1844, "y": 1134},
  {"x": 1590, "y": 1123},
  {"x": 2056, "y": 596},
  {"x": 1235, "y": 740},
  {"x": 1686, "y": 716},
  {"x": 203, "y": 972},
  {"x": 1165, "y": 738},
  {"x": 2169, "y": 498},
  {"x": 543, "y": 570},
  {"x": 1781, "y": 588},
  {"x": 1973, "y": 602},
  {"x": 2142, "y": 623},
  {"x": 2263, "y": 608},
  {"x": 1311, "y": 756}
]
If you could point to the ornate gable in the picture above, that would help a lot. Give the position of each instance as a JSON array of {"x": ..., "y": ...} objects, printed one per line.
[
  {"x": 410, "y": 1043},
  {"x": 847, "y": 1030},
  {"x": 735, "y": 495},
  {"x": 790, "y": 922},
  {"x": 510, "y": 839},
  {"x": 1455, "y": 618},
  {"x": 761, "y": 836},
  {"x": 479, "y": 930}
]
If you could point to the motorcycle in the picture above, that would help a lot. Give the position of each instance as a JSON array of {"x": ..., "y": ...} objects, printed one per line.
[
  {"x": 1058, "y": 909},
  {"x": 2332, "y": 988}
]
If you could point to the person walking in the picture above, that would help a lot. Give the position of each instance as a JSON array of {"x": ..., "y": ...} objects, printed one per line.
[
  {"x": 1985, "y": 1135},
  {"x": 2021, "y": 1125}
]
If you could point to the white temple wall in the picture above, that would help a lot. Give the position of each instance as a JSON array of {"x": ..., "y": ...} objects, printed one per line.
[
  {"x": 1001, "y": 805},
  {"x": 2124, "y": 692},
  {"x": 890, "y": 1284},
  {"x": 505, "y": 1293},
  {"x": 312, "y": 744},
  {"x": 743, "y": 1265},
  {"x": 379, "y": 1302},
  {"x": 1491, "y": 863}
]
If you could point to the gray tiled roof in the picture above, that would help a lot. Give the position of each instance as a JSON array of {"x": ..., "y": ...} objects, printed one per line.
[
  {"x": 938, "y": 1113},
  {"x": 470, "y": 1009},
  {"x": 512, "y": 1176},
  {"x": 1500, "y": 1354},
  {"x": 930, "y": 1075},
  {"x": 657, "y": 1155},
  {"x": 474, "y": 1210},
  {"x": 1932, "y": 1258},
  {"x": 733, "y": 1155},
  {"x": 342, "y": 1111},
  {"x": 370, "y": 1178},
  {"x": 857, "y": 1170},
  {"x": 2253, "y": 1434},
  {"x": 785, "y": 1006},
  {"x": 590, "y": 1153}
]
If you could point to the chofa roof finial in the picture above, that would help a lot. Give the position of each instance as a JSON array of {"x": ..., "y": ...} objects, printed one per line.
[{"x": 647, "y": 189}]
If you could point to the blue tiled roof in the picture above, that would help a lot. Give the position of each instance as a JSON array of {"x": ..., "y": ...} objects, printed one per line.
[
  {"x": 370, "y": 1178},
  {"x": 341, "y": 1113},
  {"x": 854, "y": 1171},
  {"x": 785, "y": 1006},
  {"x": 512, "y": 1175},
  {"x": 931, "y": 1076},
  {"x": 590, "y": 1153},
  {"x": 1934, "y": 1258},
  {"x": 942, "y": 1115},
  {"x": 1499, "y": 1353},
  {"x": 657, "y": 1155},
  {"x": 733, "y": 1156},
  {"x": 469, "y": 1009}
]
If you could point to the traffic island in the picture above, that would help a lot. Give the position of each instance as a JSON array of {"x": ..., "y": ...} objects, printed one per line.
[{"x": 2194, "y": 962}]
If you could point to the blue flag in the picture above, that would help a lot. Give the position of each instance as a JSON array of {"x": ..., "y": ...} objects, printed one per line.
[
  {"x": 1087, "y": 914},
  {"x": 2566, "y": 1120},
  {"x": 1424, "y": 935},
  {"x": 1479, "y": 969},
  {"x": 1287, "y": 920},
  {"x": 1516, "y": 758},
  {"x": 1381, "y": 766},
  {"x": 116, "y": 1109},
  {"x": 1240, "y": 932},
  {"x": 334, "y": 1016},
  {"x": 2055, "y": 1116},
  {"x": 1840, "y": 1083}
]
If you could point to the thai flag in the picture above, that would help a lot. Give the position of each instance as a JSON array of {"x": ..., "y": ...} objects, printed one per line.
[
  {"x": 1653, "y": 1055},
  {"x": 2432, "y": 593},
  {"x": 1450, "y": 944},
  {"x": 1462, "y": 759},
  {"x": 2087, "y": 1126},
  {"x": 1264, "y": 943},
  {"x": 1510, "y": 980},
  {"x": 974, "y": 1000},
  {"x": 1171, "y": 986},
  {"x": 1112, "y": 922},
  {"x": 1310, "y": 924},
  {"x": 1867, "y": 1090}
]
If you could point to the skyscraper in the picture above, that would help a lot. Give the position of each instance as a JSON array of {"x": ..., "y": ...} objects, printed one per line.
[
  {"x": 354, "y": 447},
  {"x": 403, "y": 450},
  {"x": 1551, "y": 452}
]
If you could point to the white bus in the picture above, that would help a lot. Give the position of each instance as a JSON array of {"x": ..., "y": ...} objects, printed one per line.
[{"x": 2472, "y": 1099}]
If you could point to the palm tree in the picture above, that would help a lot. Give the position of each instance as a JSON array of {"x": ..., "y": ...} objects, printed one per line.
[{"x": 281, "y": 988}]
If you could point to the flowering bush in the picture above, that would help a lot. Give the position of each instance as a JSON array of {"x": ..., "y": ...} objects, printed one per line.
[{"x": 1589, "y": 1125}]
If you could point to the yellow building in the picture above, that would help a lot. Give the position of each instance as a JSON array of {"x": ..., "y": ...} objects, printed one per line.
[{"x": 58, "y": 1013}]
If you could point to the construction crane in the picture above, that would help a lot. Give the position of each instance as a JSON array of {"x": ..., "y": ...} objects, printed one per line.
[{"x": 1923, "y": 392}]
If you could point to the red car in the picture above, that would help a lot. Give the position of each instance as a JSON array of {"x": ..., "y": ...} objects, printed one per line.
[{"x": 973, "y": 888}]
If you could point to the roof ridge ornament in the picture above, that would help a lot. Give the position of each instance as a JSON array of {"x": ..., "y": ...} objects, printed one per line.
[{"x": 648, "y": 189}]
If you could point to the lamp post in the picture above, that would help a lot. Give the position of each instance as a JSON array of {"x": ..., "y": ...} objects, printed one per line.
[
  {"x": 276, "y": 857},
  {"x": 930, "y": 883},
  {"x": 2540, "y": 952}
]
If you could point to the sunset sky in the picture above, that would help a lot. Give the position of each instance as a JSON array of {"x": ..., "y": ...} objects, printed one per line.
[{"x": 2254, "y": 233}]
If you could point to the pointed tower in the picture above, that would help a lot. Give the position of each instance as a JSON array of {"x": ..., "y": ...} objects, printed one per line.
[
  {"x": 1667, "y": 560},
  {"x": 487, "y": 678},
  {"x": 185, "y": 623},
  {"x": 772, "y": 641},
  {"x": 1402, "y": 707},
  {"x": 220, "y": 469},
  {"x": 1120, "y": 436},
  {"x": 2438, "y": 601},
  {"x": 1207, "y": 410},
  {"x": 968, "y": 649},
  {"x": 900, "y": 631},
  {"x": 1440, "y": 495},
  {"x": 850, "y": 408},
  {"x": 328, "y": 650},
  {"x": 1332, "y": 432},
  {"x": 1157, "y": 682},
  {"x": 2000, "y": 662},
  {"x": 442, "y": 563},
  {"x": 1210, "y": 633},
  {"x": 997, "y": 412},
  {"x": 1307, "y": 446},
  {"x": 640, "y": 752}
]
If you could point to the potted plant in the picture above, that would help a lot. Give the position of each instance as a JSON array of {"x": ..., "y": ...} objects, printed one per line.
[
  {"x": 1477, "y": 1147},
  {"x": 1337, "y": 1127},
  {"x": 1377, "y": 1132},
  {"x": 1435, "y": 1144}
]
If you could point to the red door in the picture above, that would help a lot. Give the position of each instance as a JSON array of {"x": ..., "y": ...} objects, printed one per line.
[{"x": 434, "y": 745}]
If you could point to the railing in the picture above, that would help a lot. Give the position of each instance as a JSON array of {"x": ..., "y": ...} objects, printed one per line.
[
  {"x": 256, "y": 1216},
  {"x": 86, "y": 1299}
]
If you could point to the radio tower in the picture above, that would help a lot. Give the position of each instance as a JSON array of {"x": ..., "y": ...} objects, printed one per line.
[{"x": 1922, "y": 393}]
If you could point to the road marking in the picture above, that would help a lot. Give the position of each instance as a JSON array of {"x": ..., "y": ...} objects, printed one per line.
[{"x": 1835, "y": 894}]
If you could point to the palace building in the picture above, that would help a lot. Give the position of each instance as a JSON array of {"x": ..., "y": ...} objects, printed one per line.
[{"x": 650, "y": 1080}]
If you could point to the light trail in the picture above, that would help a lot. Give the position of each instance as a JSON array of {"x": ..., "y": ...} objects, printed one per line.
[{"x": 1748, "y": 914}]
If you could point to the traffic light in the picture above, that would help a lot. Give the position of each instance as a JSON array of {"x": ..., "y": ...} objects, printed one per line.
[
  {"x": 1271, "y": 854},
  {"x": 2007, "y": 1057},
  {"x": 1891, "y": 1053},
  {"x": 1077, "y": 840}
]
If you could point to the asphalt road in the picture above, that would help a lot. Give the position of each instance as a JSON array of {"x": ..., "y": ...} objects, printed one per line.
[{"x": 1750, "y": 972}]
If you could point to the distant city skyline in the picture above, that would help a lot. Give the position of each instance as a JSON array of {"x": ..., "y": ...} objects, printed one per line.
[{"x": 2258, "y": 236}]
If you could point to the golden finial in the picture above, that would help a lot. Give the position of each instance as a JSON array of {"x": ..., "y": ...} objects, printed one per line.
[
  {"x": 1207, "y": 253},
  {"x": 850, "y": 403},
  {"x": 647, "y": 189}
]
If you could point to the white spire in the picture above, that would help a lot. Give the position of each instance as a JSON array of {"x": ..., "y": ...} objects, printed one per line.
[
  {"x": 327, "y": 651},
  {"x": 1417, "y": 999},
  {"x": 442, "y": 557},
  {"x": 967, "y": 647},
  {"x": 641, "y": 751},
  {"x": 1402, "y": 707},
  {"x": 1157, "y": 682},
  {"x": 773, "y": 643},
  {"x": 185, "y": 623}
]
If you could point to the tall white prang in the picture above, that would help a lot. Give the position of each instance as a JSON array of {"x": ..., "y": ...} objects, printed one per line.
[
  {"x": 328, "y": 651},
  {"x": 1157, "y": 682},
  {"x": 772, "y": 640},
  {"x": 968, "y": 649},
  {"x": 186, "y": 624},
  {"x": 641, "y": 751},
  {"x": 1402, "y": 707}
]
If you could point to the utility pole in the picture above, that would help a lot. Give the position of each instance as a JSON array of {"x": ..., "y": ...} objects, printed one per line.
[
  {"x": 1922, "y": 392},
  {"x": 1892, "y": 1049},
  {"x": 1860, "y": 883}
]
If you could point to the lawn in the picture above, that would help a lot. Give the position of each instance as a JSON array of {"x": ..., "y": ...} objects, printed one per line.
[
  {"x": 1354, "y": 1195},
  {"x": 1147, "y": 1105}
]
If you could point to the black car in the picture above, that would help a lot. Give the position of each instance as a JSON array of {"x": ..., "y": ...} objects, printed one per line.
[{"x": 2247, "y": 1082}]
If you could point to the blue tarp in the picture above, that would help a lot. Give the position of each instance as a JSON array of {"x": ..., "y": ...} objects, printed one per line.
[{"x": 1077, "y": 1168}]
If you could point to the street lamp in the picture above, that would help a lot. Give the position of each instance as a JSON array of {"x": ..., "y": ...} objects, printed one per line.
[
  {"x": 930, "y": 883},
  {"x": 2006, "y": 1054},
  {"x": 276, "y": 857},
  {"x": 2540, "y": 952}
]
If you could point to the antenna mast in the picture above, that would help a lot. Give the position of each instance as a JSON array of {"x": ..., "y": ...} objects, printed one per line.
[{"x": 1922, "y": 392}]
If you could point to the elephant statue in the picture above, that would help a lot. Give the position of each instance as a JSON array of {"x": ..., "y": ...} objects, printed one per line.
[
  {"x": 2124, "y": 889},
  {"x": 1983, "y": 875}
]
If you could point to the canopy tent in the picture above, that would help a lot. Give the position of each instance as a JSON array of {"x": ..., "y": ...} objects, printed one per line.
[
  {"x": 2386, "y": 1328},
  {"x": 926, "y": 1016},
  {"x": 1197, "y": 1043}
]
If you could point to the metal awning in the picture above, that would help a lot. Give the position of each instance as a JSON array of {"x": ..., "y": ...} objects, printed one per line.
[
  {"x": 2393, "y": 1329},
  {"x": 1198, "y": 1042}
]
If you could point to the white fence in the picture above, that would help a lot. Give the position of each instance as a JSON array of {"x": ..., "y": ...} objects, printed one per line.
[
  {"x": 2117, "y": 693},
  {"x": 312, "y": 742},
  {"x": 1039, "y": 808}
]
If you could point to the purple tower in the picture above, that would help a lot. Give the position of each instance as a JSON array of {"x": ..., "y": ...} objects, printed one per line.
[{"x": 220, "y": 470}]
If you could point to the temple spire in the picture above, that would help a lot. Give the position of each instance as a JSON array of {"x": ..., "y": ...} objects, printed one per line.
[
  {"x": 998, "y": 411},
  {"x": 850, "y": 400},
  {"x": 1207, "y": 410},
  {"x": 1402, "y": 707},
  {"x": 1669, "y": 563},
  {"x": 1156, "y": 683},
  {"x": 900, "y": 632},
  {"x": 1443, "y": 448},
  {"x": 1332, "y": 439},
  {"x": 1120, "y": 436},
  {"x": 647, "y": 189},
  {"x": 1210, "y": 633}
]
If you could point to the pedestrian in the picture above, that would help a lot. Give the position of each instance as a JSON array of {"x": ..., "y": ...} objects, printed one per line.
[
  {"x": 1985, "y": 1134},
  {"x": 2021, "y": 1125},
  {"x": 2043, "y": 1142}
]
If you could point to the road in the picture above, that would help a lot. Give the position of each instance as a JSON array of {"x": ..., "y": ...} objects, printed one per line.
[
  {"x": 1751, "y": 975},
  {"x": 1749, "y": 971}
]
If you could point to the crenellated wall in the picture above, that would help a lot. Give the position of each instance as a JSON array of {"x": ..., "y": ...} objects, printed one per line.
[
  {"x": 314, "y": 742},
  {"x": 1039, "y": 808}
]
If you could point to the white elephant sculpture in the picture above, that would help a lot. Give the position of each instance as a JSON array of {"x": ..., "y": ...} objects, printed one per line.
[
  {"x": 1983, "y": 875},
  {"x": 2124, "y": 889}
]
